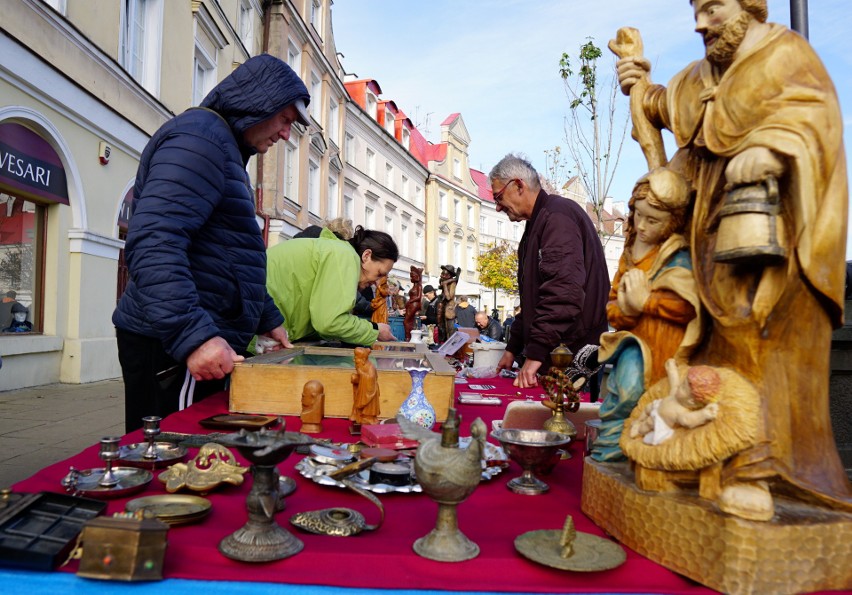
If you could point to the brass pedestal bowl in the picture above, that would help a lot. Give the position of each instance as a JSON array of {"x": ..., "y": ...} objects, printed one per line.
[{"x": 533, "y": 450}]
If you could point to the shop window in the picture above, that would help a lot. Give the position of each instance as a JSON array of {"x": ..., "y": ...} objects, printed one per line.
[{"x": 22, "y": 225}]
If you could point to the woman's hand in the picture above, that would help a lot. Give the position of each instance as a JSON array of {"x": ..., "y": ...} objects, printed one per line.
[{"x": 385, "y": 332}]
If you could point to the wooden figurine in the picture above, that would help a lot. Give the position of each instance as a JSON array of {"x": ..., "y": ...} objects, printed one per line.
[
  {"x": 447, "y": 309},
  {"x": 313, "y": 407},
  {"x": 365, "y": 389},
  {"x": 767, "y": 306},
  {"x": 415, "y": 298},
  {"x": 380, "y": 302}
]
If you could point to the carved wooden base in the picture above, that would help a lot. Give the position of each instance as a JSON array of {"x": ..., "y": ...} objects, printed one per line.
[{"x": 803, "y": 548}]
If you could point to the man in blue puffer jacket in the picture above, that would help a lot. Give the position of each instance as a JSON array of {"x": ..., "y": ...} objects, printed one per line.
[{"x": 194, "y": 251}]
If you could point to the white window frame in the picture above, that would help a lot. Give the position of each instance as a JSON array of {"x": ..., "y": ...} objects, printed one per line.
[
  {"x": 313, "y": 187},
  {"x": 370, "y": 217},
  {"x": 389, "y": 176},
  {"x": 332, "y": 202},
  {"x": 403, "y": 234},
  {"x": 471, "y": 222},
  {"x": 294, "y": 57},
  {"x": 333, "y": 117},
  {"x": 457, "y": 210},
  {"x": 141, "y": 43},
  {"x": 372, "y": 104},
  {"x": 483, "y": 224},
  {"x": 290, "y": 187},
  {"x": 418, "y": 238},
  {"x": 316, "y": 16},
  {"x": 406, "y": 138},
  {"x": 371, "y": 164},
  {"x": 316, "y": 96},
  {"x": 389, "y": 122},
  {"x": 457, "y": 168},
  {"x": 204, "y": 74},
  {"x": 246, "y": 24},
  {"x": 442, "y": 205},
  {"x": 349, "y": 149},
  {"x": 457, "y": 253},
  {"x": 418, "y": 197},
  {"x": 442, "y": 251},
  {"x": 500, "y": 233},
  {"x": 349, "y": 207},
  {"x": 404, "y": 190},
  {"x": 389, "y": 225}
]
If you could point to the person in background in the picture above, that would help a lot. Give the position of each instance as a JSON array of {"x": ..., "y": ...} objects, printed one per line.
[
  {"x": 562, "y": 274},
  {"x": 507, "y": 324},
  {"x": 488, "y": 326},
  {"x": 310, "y": 279},
  {"x": 195, "y": 253},
  {"x": 465, "y": 313}
]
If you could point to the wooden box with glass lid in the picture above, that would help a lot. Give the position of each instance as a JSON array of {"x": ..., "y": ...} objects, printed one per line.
[{"x": 272, "y": 383}]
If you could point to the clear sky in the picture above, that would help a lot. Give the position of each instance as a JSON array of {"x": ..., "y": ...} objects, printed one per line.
[{"x": 497, "y": 62}]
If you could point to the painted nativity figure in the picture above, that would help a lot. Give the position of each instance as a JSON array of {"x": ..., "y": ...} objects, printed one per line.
[{"x": 652, "y": 303}]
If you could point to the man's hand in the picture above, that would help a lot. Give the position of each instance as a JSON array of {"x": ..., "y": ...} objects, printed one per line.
[
  {"x": 506, "y": 361},
  {"x": 278, "y": 334},
  {"x": 213, "y": 359},
  {"x": 527, "y": 374},
  {"x": 630, "y": 70},
  {"x": 633, "y": 292},
  {"x": 385, "y": 333},
  {"x": 755, "y": 164}
]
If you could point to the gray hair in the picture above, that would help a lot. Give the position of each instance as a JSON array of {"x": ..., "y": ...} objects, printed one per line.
[{"x": 515, "y": 166}]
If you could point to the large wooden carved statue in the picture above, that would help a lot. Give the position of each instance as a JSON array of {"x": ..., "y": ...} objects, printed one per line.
[
  {"x": 415, "y": 297},
  {"x": 759, "y": 141}
]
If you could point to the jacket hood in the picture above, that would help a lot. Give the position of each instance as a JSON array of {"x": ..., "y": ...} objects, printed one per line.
[{"x": 257, "y": 90}]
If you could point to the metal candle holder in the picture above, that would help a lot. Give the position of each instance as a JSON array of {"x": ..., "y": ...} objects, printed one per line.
[{"x": 261, "y": 539}]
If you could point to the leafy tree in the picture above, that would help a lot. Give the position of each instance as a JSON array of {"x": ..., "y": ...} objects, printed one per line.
[
  {"x": 498, "y": 268},
  {"x": 594, "y": 133}
]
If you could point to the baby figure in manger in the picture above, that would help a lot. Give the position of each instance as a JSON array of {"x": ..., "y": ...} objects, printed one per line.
[{"x": 690, "y": 404}]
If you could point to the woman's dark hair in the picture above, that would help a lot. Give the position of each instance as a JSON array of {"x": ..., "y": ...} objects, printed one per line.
[{"x": 379, "y": 242}]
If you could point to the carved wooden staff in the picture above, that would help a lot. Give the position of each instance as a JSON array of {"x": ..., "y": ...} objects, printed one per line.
[{"x": 628, "y": 44}]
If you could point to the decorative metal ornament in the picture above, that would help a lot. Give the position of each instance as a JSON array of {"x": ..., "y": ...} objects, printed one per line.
[
  {"x": 569, "y": 549},
  {"x": 339, "y": 522},
  {"x": 213, "y": 465}
]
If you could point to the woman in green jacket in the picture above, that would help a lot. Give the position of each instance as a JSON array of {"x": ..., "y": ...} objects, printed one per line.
[{"x": 314, "y": 281}]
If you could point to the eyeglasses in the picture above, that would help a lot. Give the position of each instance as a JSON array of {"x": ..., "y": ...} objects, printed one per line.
[{"x": 498, "y": 196}]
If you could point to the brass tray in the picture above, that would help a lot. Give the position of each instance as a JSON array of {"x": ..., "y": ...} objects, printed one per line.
[
  {"x": 173, "y": 509},
  {"x": 86, "y": 482},
  {"x": 236, "y": 421},
  {"x": 591, "y": 553}
]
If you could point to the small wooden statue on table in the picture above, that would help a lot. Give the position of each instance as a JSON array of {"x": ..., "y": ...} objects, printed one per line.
[
  {"x": 313, "y": 407},
  {"x": 415, "y": 297},
  {"x": 380, "y": 302},
  {"x": 365, "y": 389}
]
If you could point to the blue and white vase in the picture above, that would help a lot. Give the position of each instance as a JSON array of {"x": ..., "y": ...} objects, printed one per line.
[{"x": 417, "y": 407}]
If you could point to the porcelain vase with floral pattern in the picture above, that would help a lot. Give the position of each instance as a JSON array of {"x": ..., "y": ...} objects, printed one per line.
[{"x": 417, "y": 407}]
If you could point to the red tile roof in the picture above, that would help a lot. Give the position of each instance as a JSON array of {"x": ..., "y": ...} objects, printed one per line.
[{"x": 482, "y": 186}]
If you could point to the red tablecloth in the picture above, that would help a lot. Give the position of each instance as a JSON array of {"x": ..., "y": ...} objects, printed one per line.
[{"x": 492, "y": 517}]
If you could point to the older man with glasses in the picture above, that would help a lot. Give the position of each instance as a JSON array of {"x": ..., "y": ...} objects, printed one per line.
[{"x": 562, "y": 274}]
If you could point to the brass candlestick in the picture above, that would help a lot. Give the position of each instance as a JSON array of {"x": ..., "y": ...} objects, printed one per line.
[{"x": 557, "y": 384}]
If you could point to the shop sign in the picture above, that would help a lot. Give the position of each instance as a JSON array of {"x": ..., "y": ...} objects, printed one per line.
[{"x": 30, "y": 165}]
